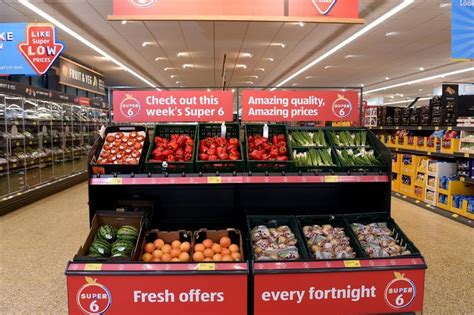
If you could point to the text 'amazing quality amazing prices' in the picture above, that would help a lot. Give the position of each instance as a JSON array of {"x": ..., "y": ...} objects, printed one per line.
[
  {"x": 172, "y": 106},
  {"x": 300, "y": 105}
]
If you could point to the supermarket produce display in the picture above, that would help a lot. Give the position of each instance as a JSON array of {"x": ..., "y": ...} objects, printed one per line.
[{"x": 234, "y": 224}]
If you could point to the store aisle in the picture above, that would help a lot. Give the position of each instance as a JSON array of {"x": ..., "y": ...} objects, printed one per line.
[{"x": 38, "y": 240}]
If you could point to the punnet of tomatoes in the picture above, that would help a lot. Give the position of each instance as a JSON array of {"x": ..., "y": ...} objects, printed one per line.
[
  {"x": 122, "y": 148},
  {"x": 273, "y": 148},
  {"x": 219, "y": 149},
  {"x": 176, "y": 148}
]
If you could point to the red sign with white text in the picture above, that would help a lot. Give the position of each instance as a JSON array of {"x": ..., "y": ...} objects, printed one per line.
[
  {"x": 238, "y": 9},
  {"x": 324, "y": 105},
  {"x": 180, "y": 294},
  {"x": 172, "y": 106},
  {"x": 338, "y": 292},
  {"x": 41, "y": 48}
]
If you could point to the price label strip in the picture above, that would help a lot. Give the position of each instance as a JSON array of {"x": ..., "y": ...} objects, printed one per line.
[
  {"x": 206, "y": 266},
  {"x": 352, "y": 263},
  {"x": 92, "y": 267},
  {"x": 214, "y": 180}
]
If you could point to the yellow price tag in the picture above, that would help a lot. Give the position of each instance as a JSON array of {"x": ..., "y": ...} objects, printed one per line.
[
  {"x": 115, "y": 181},
  {"x": 466, "y": 155},
  {"x": 381, "y": 127},
  {"x": 214, "y": 180},
  {"x": 428, "y": 153},
  {"x": 436, "y": 128},
  {"x": 428, "y": 206},
  {"x": 455, "y": 215},
  {"x": 18, "y": 143},
  {"x": 404, "y": 197},
  {"x": 207, "y": 266},
  {"x": 331, "y": 179},
  {"x": 352, "y": 263},
  {"x": 14, "y": 165},
  {"x": 419, "y": 127},
  {"x": 463, "y": 179},
  {"x": 417, "y": 201},
  {"x": 450, "y": 128},
  {"x": 397, "y": 127},
  {"x": 92, "y": 267}
]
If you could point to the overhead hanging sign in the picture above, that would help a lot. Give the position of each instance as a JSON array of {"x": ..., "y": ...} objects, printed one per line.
[
  {"x": 28, "y": 49},
  {"x": 80, "y": 77},
  {"x": 316, "y": 105},
  {"x": 172, "y": 106},
  {"x": 333, "y": 11},
  {"x": 462, "y": 26}
]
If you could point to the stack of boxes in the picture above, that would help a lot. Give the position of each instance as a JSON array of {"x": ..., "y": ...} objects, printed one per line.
[{"x": 435, "y": 170}]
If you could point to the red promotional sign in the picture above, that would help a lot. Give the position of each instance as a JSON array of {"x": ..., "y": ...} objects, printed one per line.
[
  {"x": 337, "y": 292},
  {"x": 41, "y": 48},
  {"x": 323, "y": 105},
  {"x": 181, "y": 294},
  {"x": 172, "y": 106},
  {"x": 235, "y": 10}
]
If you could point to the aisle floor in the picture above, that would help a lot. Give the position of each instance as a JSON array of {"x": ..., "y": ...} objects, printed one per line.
[{"x": 37, "y": 241}]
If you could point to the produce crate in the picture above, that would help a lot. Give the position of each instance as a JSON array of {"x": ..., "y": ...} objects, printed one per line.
[
  {"x": 116, "y": 220},
  {"x": 326, "y": 168},
  {"x": 449, "y": 146},
  {"x": 215, "y": 235},
  {"x": 214, "y": 130},
  {"x": 334, "y": 221},
  {"x": 167, "y": 237},
  {"x": 454, "y": 188},
  {"x": 274, "y": 221},
  {"x": 398, "y": 234},
  {"x": 262, "y": 166},
  {"x": 165, "y": 131},
  {"x": 95, "y": 168}
]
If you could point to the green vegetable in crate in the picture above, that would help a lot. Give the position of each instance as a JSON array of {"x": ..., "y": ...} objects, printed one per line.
[
  {"x": 348, "y": 138},
  {"x": 123, "y": 248},
  {"x": 313, "y": 157},
  {"x": 107, "y": 232},
  {"x": 99, "y": 248},
  {"x": 308, "y": 139},
  {"x": 357, "y": 157},
  {"x": 127, "y": 233}
]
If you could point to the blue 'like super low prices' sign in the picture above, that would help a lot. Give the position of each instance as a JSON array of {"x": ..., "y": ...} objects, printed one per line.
[
  {"x": 462, "y": 29},
  {"x": 28, "y": 49}
]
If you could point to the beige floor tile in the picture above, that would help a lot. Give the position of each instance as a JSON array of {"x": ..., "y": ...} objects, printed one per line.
[{"x": 37, "y": 241}]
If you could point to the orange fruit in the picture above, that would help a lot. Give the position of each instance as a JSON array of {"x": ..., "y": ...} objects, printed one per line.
[
  {"x": 198, "y": 256},
  {"x": 199, "y": 248},
  {"x": 207, "y": 243},
  {"x": 147, "y": 257},
  {"x": 159, "y": 243},
  {"x": 184, "y": 257},
  {"x": 175, "y": 252},
  {"x": 166, "y": 248},
  {"x": 225, "y": 251},
  {"x": 185, "y": 247},
  {"x": 175, "y": 259},
  {"x": 149, "y": 248},
  {"x": 216, "y": 248},
  {"x": 225, "y": 241},
  {"x": 234, "y": 248},
  {"x": 207, "y": 259},
  {"x": 176, "y": 244},
  {"x": 217, "y": 257},
  {"x": 157, "y": 253},
  {"x": 166, "y": 258},
  {"x": 208, "y": 253},
  {"x": 236, "y": 256},
  {"x": 155, "y": 259},
  {"x": 227, "y": 258}
]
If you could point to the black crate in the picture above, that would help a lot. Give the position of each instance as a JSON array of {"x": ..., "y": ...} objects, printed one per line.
[
  {"x": 271, "y": 166},
  {"x": 275, "y": 221},
  {"x": 95, "y": 168},
  {"x": 308, "y": 168},
  {"x": 398, "y": 234},
  {"x": 165, "y": 131},
  {"x": 335, "y": 221},
  {"x": 214, "y": 130}
]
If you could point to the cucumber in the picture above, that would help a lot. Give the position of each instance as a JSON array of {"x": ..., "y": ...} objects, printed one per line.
[{"x": 107, "y": 232}]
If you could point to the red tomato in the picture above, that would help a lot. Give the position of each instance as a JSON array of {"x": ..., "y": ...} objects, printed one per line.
[
  {"x": 107, "y": 147},
  {"x": 128, "y": 151},
  {"x": 130, "y": 143},
  {"x": 133, "y": 134},
  {"x": 114, "y": 151},
  {"x": 213, "y": 157},
  {"x": 122, "y": 147},
  {"x": 118, "y": 135},
  {"x": 203, "y": 156},
  {"x": 137, "y": 146},
  {"x": 140, "y": 138},
  {"x": 124, "y": 139},
  {"x": 111, "y": 158},
  {"x": 110, "y": 138},
  {"x": 105, "y": 154},
  {"x": 135, "y": 154}
]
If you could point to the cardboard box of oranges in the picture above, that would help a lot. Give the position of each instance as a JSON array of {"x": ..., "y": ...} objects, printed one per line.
[
  {"x": 217, "y": 245},
  {"x": 163, "y": 246}
]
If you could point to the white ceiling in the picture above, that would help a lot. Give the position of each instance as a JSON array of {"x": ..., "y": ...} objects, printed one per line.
[{"x": 423, "y": 40}]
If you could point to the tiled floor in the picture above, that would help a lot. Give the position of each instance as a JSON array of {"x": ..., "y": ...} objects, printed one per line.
[{"x": 37, "y": 241}]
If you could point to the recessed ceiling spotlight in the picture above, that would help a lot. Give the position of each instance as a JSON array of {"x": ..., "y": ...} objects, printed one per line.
[
  {"x": 327, "y": 67},
  {"x": 444, "y": 5},
  {"x": 178, "y": 82},
  {"x": 182, "y": 54},
  {"x": 387, "y": 78},
  {"x": 295, "y": 84},
  {"x": 362, "y": 85},
  {"x": 166, "y": 69},
  {"x": 233, "y": 90},
  {"x": 392, "y": 97},
  {"x": 160, "y": 58},
  {"x": 144, "y": 44},
  {"x": 124, "y": 22},
  {"x": 421, "y": 69},
  {"x": 209, "y": 90},
  {"x": 269, "y": 59},
  {"x": 240, "y": 66},
  {"x": 260, "y": 69},
  {"x": 420, "y": 90},
  {"x": 188, "y": 65},
  {"x": 301, "y": 24},
  {"x": 282, "y": 45},
  {"x": 309, "y": 77},
  {"x": 248, "y": 82},
  {"x": 173, "y": 76},
  {"x": 388, "y": 34},
  {"x": 245, "y": 55},
  {"x": 254, "y": 76},
  {"x": 350, "y": 56}
]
